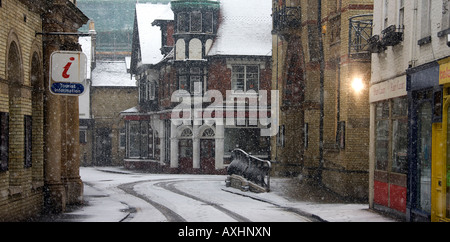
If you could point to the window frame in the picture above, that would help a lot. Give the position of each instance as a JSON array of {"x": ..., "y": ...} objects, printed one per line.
[
  {"x": 388, "y": 115},
  {"x": 235, "y": 76}
]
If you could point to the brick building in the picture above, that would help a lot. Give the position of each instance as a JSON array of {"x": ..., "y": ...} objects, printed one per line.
[
  {"x": 39, "y": 160},
  {"x": 112, "y": 91},
  {"x": 322, "y": 69},
  {"x": 209, "y": 51}
]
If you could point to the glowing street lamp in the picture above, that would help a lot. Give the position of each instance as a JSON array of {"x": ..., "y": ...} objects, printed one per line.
[{"x": 358, "y": 85}]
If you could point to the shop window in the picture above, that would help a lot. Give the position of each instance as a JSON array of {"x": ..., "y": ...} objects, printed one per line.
[
  {"x": 391, "y": 136},
  {"x": 399, "y": 135},
  {"x": 140, "y": 142},
  {"x": 134, "y": 139},
  {"x": 382, "y": 136},
  {"x": 144, "y": 140},
  {"x": 4, "y": 141}
]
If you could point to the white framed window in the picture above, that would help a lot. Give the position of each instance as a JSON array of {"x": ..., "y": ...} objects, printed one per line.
[
  {"x": 425, "y": 23},
  {"x": 245, "y": 78},
  {"x": 385, "y": 14},
  {"x": 445, "y": 14},
  {"x": 401, "y": 13}
]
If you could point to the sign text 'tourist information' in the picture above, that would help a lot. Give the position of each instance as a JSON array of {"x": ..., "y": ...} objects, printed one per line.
[{"x": 67, "y": 73}]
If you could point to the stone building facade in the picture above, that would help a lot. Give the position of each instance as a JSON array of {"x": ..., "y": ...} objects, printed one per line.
[
  {"x": 322, "y": 69},
  {"x": 39, "y": 161}
]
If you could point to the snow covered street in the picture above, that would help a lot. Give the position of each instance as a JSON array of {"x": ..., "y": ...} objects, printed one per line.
[{"x": 113, "y": 194}]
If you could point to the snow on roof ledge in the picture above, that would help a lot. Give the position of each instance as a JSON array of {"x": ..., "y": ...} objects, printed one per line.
[
  {"x": 246, "y": 22},
  {"x": 149, "y": 35},
  {"x": 112, "y": 74}
]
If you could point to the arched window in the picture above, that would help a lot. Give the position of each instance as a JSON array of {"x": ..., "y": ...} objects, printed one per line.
[{"x": 16, "y": 118}]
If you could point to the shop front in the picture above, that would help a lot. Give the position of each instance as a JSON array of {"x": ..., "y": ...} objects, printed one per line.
[
  {"x": 424, "y": 122},
  {"x": 389, "y": 107},
  {"x": 440, "y": 188}
]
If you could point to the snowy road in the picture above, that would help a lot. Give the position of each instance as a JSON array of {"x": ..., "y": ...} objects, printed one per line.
[{"x": 180, "y": 198}]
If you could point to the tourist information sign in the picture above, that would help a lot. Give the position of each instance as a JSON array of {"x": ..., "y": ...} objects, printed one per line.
[{"x": 67, "y": 73}]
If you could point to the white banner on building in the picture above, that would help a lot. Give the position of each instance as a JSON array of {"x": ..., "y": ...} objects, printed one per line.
[{"x": 388, "y": 89}]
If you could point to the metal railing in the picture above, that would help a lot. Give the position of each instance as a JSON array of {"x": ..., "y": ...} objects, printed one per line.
[
  {"x": 251, "y": 168},
  {"x": 360, "y": 32}
]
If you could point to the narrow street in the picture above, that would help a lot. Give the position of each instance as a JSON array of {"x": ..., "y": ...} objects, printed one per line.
[
  {"x": 113, "y": 194},
  {"x": 182, "y": 198}
]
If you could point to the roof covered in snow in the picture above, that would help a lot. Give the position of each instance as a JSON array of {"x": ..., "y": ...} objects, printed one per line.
[
  {"x": 245, "y": 28},
  {"x": 150, "y": 36},
  {"x": 112, "y": 74}
]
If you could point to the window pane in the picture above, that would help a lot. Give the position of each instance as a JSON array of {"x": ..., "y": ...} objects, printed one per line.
[
  {"x": 400, "y": 107},
  {"x": 208, "y": 22},
  {"x": 122, "y": 137},
  {"x": 382, "y": 145},
  {"x": 183, "y": 22},
  {"x": 185, "y": 148},
  {"x": 424, "y": 126},
  {"x": 252, "y": 78},
  {"x": 238, "y": 77},
  {"x": 144, "y": 139},
  {"x": 134, "y": 139},
  {"x": 196, "y": 85},
  {"x": 382, "y": 110},
  {"x": 400, "y": 146},
  {"x": 183, "y": 85},
  {"x": 196, "y": 22}
]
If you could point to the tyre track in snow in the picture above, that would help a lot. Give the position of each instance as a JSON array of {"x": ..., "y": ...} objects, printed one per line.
[
  {"x": 168, "y": 213},
  {"x": 170, "y": 186}
]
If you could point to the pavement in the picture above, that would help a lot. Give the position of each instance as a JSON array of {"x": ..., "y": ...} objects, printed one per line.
[{"x": 99, "y": 207}]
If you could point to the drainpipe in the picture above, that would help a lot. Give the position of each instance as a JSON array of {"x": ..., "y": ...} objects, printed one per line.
[{"x": 322, "y": 78}]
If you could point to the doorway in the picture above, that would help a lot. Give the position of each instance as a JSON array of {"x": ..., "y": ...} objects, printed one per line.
[{"x": 103, "y": 147}]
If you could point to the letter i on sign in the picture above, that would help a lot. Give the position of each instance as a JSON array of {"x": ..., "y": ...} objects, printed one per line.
[{"x": 66, "y": 68}]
